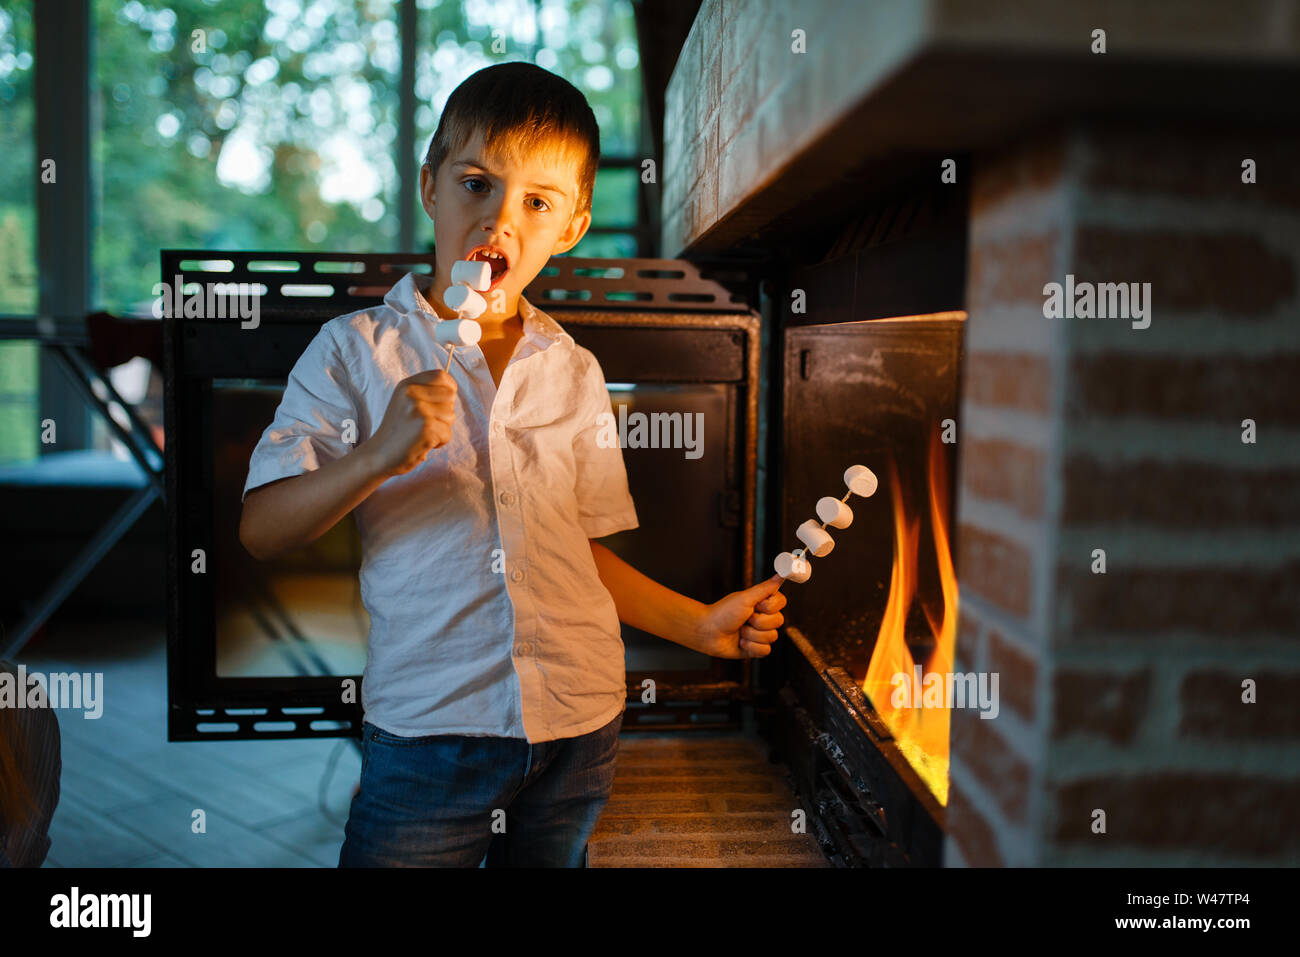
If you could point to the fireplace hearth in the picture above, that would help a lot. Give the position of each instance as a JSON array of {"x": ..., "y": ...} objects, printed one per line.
[{"x": 869, "y": 807}]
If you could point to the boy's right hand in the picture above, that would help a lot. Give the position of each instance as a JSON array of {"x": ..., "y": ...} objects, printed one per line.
[{"x": 419, "y": 418}]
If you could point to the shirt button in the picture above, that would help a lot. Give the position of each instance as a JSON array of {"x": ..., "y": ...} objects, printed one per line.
[
  {"x": 517, "y": 575},
  {"x": 498, "y": 427},
  {"x": 507, "y": 498},
  {"x": 524, "y": 648}
]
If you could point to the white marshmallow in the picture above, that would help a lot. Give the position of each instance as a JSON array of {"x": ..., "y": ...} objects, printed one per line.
[
  {"x": 792, "y": 568},
  {"x": 834, "y": 512},
  {"x": 458, "y": 332},
  {"x": 466, "y": 303},
  {"x": 472, "y": 273},
  {"x": 817, "y": 539},
  {"x": 861, "y": 480}
]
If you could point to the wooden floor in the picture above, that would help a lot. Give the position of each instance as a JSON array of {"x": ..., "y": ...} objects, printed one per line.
[
  {"x": 128, "y": 796},
  {"x": 700, "y": 800}
]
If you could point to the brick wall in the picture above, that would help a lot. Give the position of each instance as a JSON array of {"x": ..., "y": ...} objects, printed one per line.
[
  {"x": 1122, "y": 692},
  {"x": 741, "y": 102},
  {"x": 746, "y": 105}
]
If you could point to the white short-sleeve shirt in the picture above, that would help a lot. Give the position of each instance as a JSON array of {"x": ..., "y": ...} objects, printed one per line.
[{"x": 487, "y": 616}]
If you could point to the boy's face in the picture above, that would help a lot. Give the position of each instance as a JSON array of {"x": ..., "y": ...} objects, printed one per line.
[{"x": 520, "y": 207}]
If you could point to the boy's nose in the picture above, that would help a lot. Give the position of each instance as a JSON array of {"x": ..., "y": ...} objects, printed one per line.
[{"x": 498, "y": 222}]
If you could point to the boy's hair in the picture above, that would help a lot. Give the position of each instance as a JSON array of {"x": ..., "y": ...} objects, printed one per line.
[{"x": 531, "y": 106}]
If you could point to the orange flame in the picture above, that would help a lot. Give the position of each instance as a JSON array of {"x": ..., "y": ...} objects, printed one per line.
[{"x": 921, "y": 732}]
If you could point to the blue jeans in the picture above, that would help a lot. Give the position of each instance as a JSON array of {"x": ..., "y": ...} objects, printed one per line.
[{"x": 451, "y": 800}]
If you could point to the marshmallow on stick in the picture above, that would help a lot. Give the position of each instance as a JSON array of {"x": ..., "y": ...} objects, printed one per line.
[
  {"x": 794, "y": 566},
  {"x": 468, "y": 278}
]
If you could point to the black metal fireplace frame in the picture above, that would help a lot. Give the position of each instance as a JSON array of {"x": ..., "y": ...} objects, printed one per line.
[{"x": 715, "y": 339}]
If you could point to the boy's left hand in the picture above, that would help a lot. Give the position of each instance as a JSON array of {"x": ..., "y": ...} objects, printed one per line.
[{"x": 744, "y": 623}]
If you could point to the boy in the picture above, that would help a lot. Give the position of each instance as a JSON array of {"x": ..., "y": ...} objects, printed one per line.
[{"x": 494, "y": 687}]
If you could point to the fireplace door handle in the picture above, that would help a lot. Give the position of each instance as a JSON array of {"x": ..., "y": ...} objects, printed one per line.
[{"x": 805, "y": 364}]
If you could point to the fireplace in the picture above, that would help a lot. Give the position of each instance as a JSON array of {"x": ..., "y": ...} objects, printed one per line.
[
  {"x": 1121, "y": 538},
  {"x": 881, "y": 389}
]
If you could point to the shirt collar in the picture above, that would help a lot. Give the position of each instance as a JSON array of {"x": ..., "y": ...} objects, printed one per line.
[
  {"x": 540, "y": 327},
  {"x": 408, "y": 296}
]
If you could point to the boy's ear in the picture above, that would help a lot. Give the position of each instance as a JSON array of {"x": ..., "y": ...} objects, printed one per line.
[
  {"x": 576, "y": 229},
  {"x": 426, "y": 188}
]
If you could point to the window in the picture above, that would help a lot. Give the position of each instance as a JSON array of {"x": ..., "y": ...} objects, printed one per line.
[
  {"x": 19, "y": 360},
  {"x": 277, "y": 124},
  {"x": 221, "y": 129},
  {"x": 280, "y": 130},
  {"x": 592, "y": 44}
]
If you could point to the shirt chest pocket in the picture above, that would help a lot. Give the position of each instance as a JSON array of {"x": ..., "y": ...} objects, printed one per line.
[
  {"x": 539, "y": 416},
  {"x": 538, "y": 404},
  {"x": 543, "y": 439}
]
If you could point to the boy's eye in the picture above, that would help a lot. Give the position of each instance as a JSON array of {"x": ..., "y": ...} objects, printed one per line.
[
  {"x": 543, "y": 207},
  {"x": 475, "y": 179}
]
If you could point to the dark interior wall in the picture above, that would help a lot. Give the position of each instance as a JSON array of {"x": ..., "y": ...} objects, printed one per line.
[
  {"x": 662, "y": 26},
  {"x": 46, "y": 528}
]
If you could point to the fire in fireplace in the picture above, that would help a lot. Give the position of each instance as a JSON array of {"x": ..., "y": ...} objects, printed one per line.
[{"x": 909, "y": 678}]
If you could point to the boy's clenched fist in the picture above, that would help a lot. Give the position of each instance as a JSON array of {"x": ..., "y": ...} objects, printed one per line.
[{"x": 419, "y": 418}]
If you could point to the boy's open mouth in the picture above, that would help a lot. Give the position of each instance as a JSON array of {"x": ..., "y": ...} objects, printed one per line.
[{"x": 495, "y": 258}]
